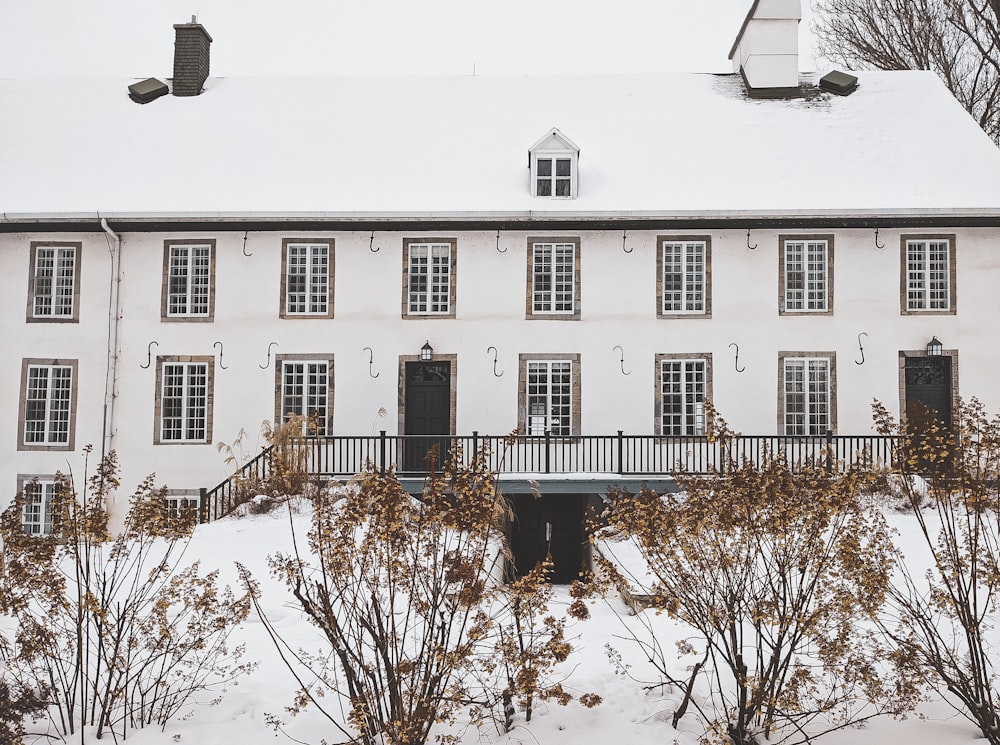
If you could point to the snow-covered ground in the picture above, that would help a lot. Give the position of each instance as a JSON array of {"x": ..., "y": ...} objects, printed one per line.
[{"x": 629, "y": 715}]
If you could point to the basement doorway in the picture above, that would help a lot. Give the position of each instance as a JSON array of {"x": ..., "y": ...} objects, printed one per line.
[{"x": 545, "y": 524}]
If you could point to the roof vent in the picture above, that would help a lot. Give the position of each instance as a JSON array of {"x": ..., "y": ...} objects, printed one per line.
[
  {"x": 839, "y": 82},
  {"x": 147, "y": 90},
  {"x": 191, "y": 47}
]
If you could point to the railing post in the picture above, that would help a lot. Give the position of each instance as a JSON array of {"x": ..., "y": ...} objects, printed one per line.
[
  {"x": 548, "y": 444},
  {"x": 621, "y": 453},
  {"x": 475, "y": 443},
  {"x": 381, "y": 451},
  {"x": 829, "y": 450},
  {"x": 202, "y": 506}
]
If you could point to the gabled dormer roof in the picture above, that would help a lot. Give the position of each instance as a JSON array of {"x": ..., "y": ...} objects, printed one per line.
[{"x": 555, "y": 141}]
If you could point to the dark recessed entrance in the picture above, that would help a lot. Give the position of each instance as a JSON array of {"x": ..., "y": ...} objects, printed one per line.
[
  {"x": 548, "y": 524},
  {"x": 929, "y": 383},
  {"x": 428, "y": 412}
]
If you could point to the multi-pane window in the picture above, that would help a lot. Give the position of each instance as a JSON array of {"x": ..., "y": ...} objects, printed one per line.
[
  {"x": 48, "y": 405},
  {"x": 554, "y": 177},
  {"x": 36, "y": 516},
  {"x": 53, "y": 282},
  {"x": 189, "y": 280},
  {"x": 549, "y": 397},
  {"x": 181, "y": 504},
  {"x": 185, "y": 389},
  {"x": 307, "y": 279},
  {"x": 553, "y": 278},
  {"x": 806, "y": 275},
  {"x": 684, "y": 285},
  {"x": 807, "y": 392},
  {"x": 429, "y": 289},
  {"x": 928, "y": 275},
  {"x": 683, "y": 391},
  {"x": 305, "y": 392}
]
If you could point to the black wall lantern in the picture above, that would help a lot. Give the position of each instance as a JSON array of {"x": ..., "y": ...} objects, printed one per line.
[
  {"x": 427, "y": 352},
  {"x": 934, "y": 347}
]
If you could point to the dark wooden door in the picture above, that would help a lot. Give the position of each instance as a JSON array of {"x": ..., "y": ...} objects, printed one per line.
[
  {"x": 928, "y": 383},
  {"x": 548, "y": 524},
  {"x": 428, "y": 412}
]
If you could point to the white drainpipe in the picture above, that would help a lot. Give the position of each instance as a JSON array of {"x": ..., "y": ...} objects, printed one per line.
[{"x": 114, "y": 321}]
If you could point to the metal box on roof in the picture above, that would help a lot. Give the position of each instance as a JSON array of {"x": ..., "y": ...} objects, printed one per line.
[{"x": 147, "y": 90}]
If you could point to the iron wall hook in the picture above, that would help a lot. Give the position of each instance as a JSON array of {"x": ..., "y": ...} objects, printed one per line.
[
  {"x": 495, "y": 354},
  {"x": 626, "y": 250},
  {"x": 149, "y": 354},
  {"x": 268, "y": 363},
  {"x": 371, "y": 244},
  {"x": 245, "y": 233},
  {"x": 371, "y": 356},
  {"x": 754, "y": 246},
  {"x": 861, "y": 349},
  {"x": 736, "y": 362},
  {"x": 880, "y": 247},
  {"x": 219, "y": 345},
  {"x": 621, "y": 354},
  {"x": 500, "y": 250}
]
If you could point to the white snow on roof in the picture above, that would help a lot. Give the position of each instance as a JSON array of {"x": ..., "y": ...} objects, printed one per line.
[{"x": 652, "y": 143}]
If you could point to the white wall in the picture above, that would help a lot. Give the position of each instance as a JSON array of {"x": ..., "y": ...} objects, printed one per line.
[{"x": 618, "y": 308}]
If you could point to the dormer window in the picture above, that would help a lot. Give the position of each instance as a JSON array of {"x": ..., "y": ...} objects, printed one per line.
[{"x": 554, "y": 161}]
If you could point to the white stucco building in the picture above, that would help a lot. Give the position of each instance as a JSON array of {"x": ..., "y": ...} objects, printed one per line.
[{"x": 586, "y": 256}]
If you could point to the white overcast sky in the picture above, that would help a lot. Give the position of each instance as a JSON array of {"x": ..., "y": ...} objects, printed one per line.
[{"x": 134, "y": 38}]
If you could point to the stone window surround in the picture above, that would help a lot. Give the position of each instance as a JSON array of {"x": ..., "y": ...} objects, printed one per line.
[
  {"x": 452, "y": 391},
  {"x": 658, "y": 389},
  {"x": 453, "y": 279},
  {"x": 522, "y": 389},
  {"x": 952, "y": 274},
  {"x": 829, "y": 238},
  {"x": 279, "y": 383},
  {"x": 529, "y": 312},
  {"x": 331, "y": 274},
  {"x": 707, "y": 240},
  {"x": 75, "y": 316},
  {"x": 209, "y": 361},
  {"x": 782, "y": 356},
  {"x": 165, "y": 289},
  {"x": 22, "y": 401},
  {"x": 25, "y": 479}
]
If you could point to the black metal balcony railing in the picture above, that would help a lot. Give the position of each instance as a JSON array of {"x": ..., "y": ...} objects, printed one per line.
[{"x": 615, "y": 455}]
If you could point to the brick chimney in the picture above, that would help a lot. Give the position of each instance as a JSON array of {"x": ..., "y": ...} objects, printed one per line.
[
  {"x": 766, "y": 50},
  {"x": 191, "y": 46}
]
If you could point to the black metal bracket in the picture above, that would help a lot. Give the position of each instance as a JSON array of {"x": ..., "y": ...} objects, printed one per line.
[
  {"x": 495, "y": 354},
  {"x": 500, "y": 250},
  {"x": 621, "y": 355},
  {"x": 245, "y": 233},
  {"x": 371, "y": 361},
  {"x": 149, "y": 354},
  {"x": 626, "y": 250},
  {"x": 736, "y": 362},
  {"x": 861, "y": 349},
  {"x": 219, "y": 345},
  {"x": 268, "y": 363},
  {"x": 371, "y": 244},
  {"x": 880, "y": 247},
  {"x": 754, "y": 246}
]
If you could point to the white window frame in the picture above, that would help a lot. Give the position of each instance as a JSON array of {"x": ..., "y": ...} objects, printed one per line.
[
  {"x": 684, "y": 391},
  {"x": 553, "y": 278},
  {"x": 549, "y": 398},
  {"x": 686, "y": 269},
  {"x": 55, "y": 274},
  {"x": 429, "y": 279},
  {"x": 188, "y": 291},
  {"x": 36, "y": 515},
  {"x": 48, "y": 401},
  {"x": 807, "y": 389},
  {"x": 178, "y": 500},
  {"x": 313, "y": 262},
  {"x": 314, "y": 396},
  {"x": 186, "y": 385},
  {"x": 928, "y": 275},
  {"x": 806, "y": 264},
  {"x": 552, "y": 150}
]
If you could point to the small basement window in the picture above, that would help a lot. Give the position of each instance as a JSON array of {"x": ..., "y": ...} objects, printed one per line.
[{"x": 553, "y": 162}]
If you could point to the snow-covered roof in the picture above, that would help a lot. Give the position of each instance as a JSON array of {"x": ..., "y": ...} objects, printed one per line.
[{"x": 652, "y": 144}]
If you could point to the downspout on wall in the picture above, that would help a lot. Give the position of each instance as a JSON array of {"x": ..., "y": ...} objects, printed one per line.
[{"x": 114, "y": 323}]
